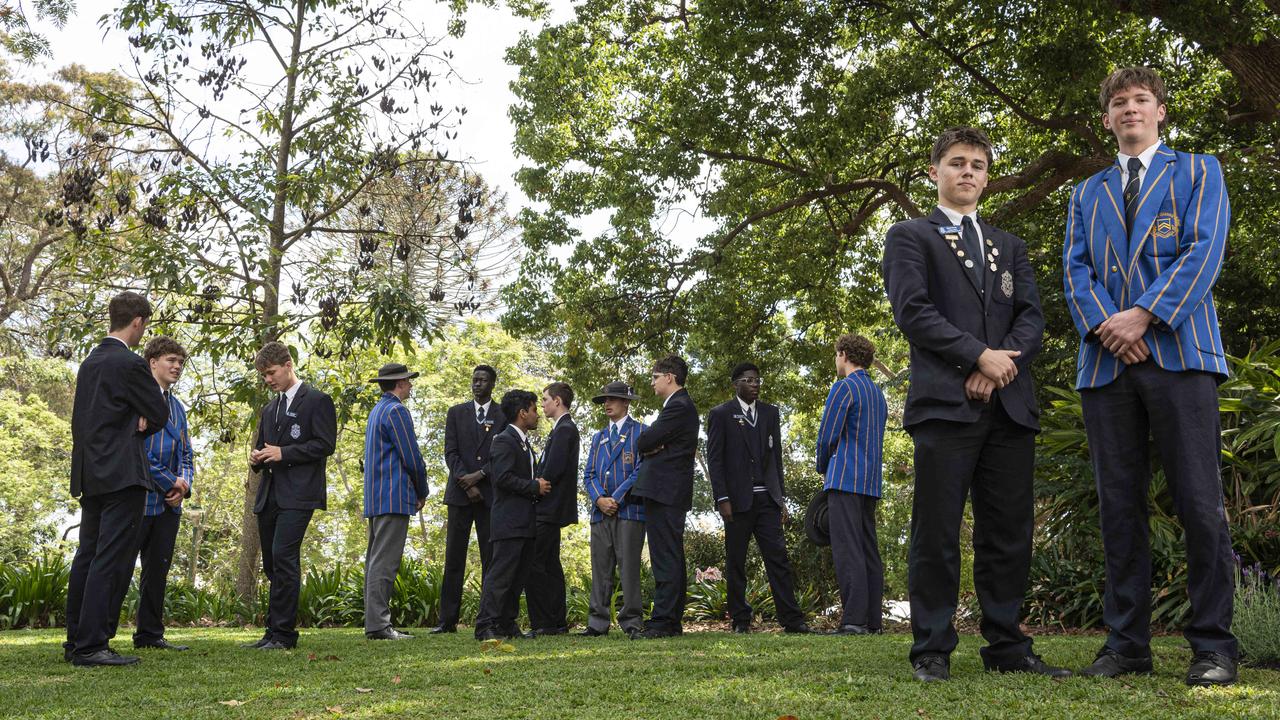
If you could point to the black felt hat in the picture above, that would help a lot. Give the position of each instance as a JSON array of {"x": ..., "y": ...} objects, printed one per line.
[
  {"x": 393, "y": 371},
  {"x": 816, "y": 525},
  {"x": 615, "y": 389}
]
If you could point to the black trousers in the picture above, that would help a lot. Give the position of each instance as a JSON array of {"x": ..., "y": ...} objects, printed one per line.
[
  {"x": 281, "y": 531},
  {"x": 763, "y": 521},
  {"x": 159, "y": 535},
  {"x": 502, "y": 584},
  {"x": 992, "y": 460},
  {"x": 545, "y": 590},
  {"x": 456, "y": 542},
  {"x": 100, "y": 572},
  {"x": 1180, "y": 411},
  {"x": 664, "y": 526},
  {"x": 855, "y": 551}
]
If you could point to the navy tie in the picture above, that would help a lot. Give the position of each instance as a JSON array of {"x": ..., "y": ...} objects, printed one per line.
[
  {"x": 751, "y": 415},
  {"x": 1131, "y": 189},
  {"x": 973, "y": 247},
  {"x": 480, "y": 414},
  {"x": 613, "y": 434}
]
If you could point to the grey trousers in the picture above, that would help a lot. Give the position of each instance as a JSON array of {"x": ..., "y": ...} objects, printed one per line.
[
  {"x": 381, "y": 563},
  {"x": 616, "y": 543}
]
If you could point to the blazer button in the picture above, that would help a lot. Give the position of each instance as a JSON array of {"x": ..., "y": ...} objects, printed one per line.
[{"x": 1115, "y": 269}]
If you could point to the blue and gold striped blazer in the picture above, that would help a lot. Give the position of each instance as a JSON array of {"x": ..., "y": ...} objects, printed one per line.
[
  {"x": 170, "y": 458},
  {"x": 1167, "y": 264},
  {"x": 612, "y": 468},
  {"x": 851, "y": 436},
  {"x": 395, "y": 476}
]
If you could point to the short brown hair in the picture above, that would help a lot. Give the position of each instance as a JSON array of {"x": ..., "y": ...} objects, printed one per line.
[
  {"x": 126, "y": 306},
  {"x": 675, "y": 365},
  {"x": 960, "y": 136},
  {"x": 272, "y": 354},
  {"x": 1125, "y": 78},
  {"x": 856, "y": 349},
  {"x": 162, "y": 345},
  {"x": 562, "y": 391}
]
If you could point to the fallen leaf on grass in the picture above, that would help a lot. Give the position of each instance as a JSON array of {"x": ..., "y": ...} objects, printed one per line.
[
  {"x": 489, "y": 644},
  {"x": 330, "y": 657},
  {"x": 921, "y": 713},
  {"x": 364, "y": 690},
  {"x": 231, "y": 703},
  {"x": 788, "y": 717},
  {"x": 487, "y": 671},
  {"x": 336, "y": 709},
  {"x": 311, "y": 657},
  {"x": 395, "y": 680}
]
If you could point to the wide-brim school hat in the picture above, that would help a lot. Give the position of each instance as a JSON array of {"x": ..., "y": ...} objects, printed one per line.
[
  {"x": 816, "y": 525},
  {"x": 615, "y": 389},
  {"x": 393, "y": 371}
]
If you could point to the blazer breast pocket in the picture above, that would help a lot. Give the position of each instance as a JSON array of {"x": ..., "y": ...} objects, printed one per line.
[{"x": 1162, "y": 240}]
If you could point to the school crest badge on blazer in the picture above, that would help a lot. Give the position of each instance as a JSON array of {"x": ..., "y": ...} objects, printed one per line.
[
  {"x": 1165, "y": 225},
  {"x": 1006, "y": 284}
]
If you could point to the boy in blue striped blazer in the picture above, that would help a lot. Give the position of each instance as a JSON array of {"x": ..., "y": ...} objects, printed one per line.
[
  {"x": 1144, "y": 245},
  {"x": 850, "y": 442},
  {"x": 172, "y": 472},
  {"x": 617, "y": 520},
  {"x": 395, "y": 487}
]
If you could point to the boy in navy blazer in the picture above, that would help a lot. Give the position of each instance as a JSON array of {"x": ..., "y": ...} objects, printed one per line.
[
  {"x": 513, "y": 518},
  {"x": 546, "y": 591},
  {"x": 666, "y": 485},
  {"x": 744, "y": 460},
  {"x": 297, "y": 432},
  {"x": 964, "y": 295},
  {"x": 1144, "y": 245},
  {"x": 117, "y": 405}
]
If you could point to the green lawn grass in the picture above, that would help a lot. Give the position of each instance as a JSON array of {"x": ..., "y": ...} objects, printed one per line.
[{"x": 701, "y": 675}]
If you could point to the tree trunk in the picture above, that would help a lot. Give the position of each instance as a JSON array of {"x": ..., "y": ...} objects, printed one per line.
[{"x": 247, "y": 568}]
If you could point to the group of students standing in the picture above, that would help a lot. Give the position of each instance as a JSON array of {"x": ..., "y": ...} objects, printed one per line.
[{"x": 1144, "y": 245}]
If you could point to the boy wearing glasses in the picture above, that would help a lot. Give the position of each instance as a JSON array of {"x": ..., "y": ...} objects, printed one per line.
[
  {"x": 665, "y": 483},
  {"x": 744, "y": 460}
]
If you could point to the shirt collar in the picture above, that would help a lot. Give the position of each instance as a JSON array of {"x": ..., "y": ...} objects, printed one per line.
[
  {"x": 556, "y": 424},
  {"x": 523, "y": 438},
  {"x": 1146, "y": 156},
  {"x": 484, "y": 407},
  {"x": 956, "y": 217},
  {"x": 113, "y": 337},
  {"x": 292, "y": 391},
  {"x": 668, "y": 398},
  {"x": 745, "y": 406},
  {"x": 620, "y": 424}
]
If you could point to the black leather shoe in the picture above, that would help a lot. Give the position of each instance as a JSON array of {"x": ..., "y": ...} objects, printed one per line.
[
  {"x": 1211, "y": 668},
  {"x": 852, "y": 630},
  {"x": 441, "y": 629},
  {"x": 389, "y": 633},
  {"x": 801, "y": 629},
  {"x": 484, "y": 635},
  {"x": 634, "y": 633},
  {"x": 543, "y": 632},
  {"x": 104, "y": 657},
  {"x": 160, "y": 644},
  {"x": 592, "y": 632},
  {"x": 68, "y": 649},
  {"x": 275, "y": 645},
  {"x": 931, "y": 668},
  {"x": 742, "y": 629},
  {"x": 654, "y": 634},
  {"x": 257, "y": 643},
  {"x": 1110, "y": 663},
  {"x": 517, "y": 635},
  {"x": 1030, "y": 664}
]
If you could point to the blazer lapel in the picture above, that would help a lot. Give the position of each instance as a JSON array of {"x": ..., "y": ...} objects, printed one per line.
[
  {"x": 177, "y": 418},
  {"x": 1110, "y": 206},
  {"x": 1155, "y": 188},
  {"x": 940, "y": 220},
  {"x": 996, "y": 253}
]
